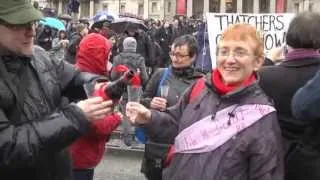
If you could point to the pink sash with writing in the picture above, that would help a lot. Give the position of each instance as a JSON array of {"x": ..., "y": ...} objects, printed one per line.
[{"x": 208, "y": 134}]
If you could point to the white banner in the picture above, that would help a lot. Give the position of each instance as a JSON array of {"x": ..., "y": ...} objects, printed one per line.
[{"x": 273, "y": 27}]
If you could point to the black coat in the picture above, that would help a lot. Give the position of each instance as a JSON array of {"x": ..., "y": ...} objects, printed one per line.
[
  {"x": 72, "y": 47},
  {"x": 32, "y": 145},
  {"x": 164, "y": 37},
  {"x": 44, "y": 39},
  {"x": 178, "y": 83},
  {"x": 280, "y": 83}
]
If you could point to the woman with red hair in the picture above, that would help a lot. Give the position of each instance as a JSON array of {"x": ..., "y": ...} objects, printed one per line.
[
  {"x": 225, "y": 127},
  {"x": 87, "y": 152}
]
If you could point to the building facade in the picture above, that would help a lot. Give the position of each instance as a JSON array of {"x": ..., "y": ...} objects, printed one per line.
[
  {"x": 166, "y": 9},
  {"x": 235, "y": 6},
  {"x": 296, "y": 6},
  {"x": 42, "y": 3}
]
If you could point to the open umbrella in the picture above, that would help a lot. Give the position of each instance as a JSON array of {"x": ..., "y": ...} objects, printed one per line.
[
  {"x": 53, "y": 23},
  {"x": 124, "y": 23},
  {"x": 84, "y": 20},
  {"x": 104, "y": 16},
  {"x": 66, "y": 17}
]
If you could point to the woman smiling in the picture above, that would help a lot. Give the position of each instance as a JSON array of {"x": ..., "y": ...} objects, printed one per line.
[{"x": 230, "y": 129}]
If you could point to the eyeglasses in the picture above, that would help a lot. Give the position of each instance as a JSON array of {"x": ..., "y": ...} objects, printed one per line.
[
  {"x": 237, "y": 54},
  {"x": 178, "y": 55},
  {"x": 17, "y": 27}
]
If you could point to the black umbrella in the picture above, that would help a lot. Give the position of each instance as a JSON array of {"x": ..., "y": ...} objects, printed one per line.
[
  {"x": 84, "y": 20},
  {"x": 66, "y": 17},
  {"x": 121, "y": 24}
]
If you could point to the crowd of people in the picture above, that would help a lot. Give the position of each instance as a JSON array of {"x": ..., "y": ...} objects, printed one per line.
[
  {"x": 153, "y": 44},
  {"x": 249, "y": 117}
]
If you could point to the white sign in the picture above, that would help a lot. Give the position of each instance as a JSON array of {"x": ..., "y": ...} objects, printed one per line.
[{"x": 273, "y": 27}]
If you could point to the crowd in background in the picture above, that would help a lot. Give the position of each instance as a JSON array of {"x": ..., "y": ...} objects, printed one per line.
[
  {"x": 153, "y": 44},
  {"x": 251, "y": 117}
]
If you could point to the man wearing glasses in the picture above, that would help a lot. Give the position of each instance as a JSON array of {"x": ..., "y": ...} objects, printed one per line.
[{"x": 35, "y": 125}]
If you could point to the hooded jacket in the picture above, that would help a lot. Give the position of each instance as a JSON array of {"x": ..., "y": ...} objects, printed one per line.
[
  {"x": 88, "y": 151},
  {"x": 93, "y": 54},
  {"x": 254, "y": 152}
]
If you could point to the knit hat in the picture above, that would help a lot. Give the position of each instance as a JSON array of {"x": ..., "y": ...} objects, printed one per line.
[{"x": 129, "y": 44}]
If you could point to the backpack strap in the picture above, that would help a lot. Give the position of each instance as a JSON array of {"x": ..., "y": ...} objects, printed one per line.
[
  {"x": 196, "y": 90},
  {"x": 164, "y": 76}
]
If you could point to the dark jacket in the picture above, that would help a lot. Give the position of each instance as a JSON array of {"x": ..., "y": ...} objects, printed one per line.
[
  {"x": 305, "y": 106},
  {"x": 253, "y": 153},
  {"x": 178, "y": 82},
  {"x": 305, "y": 103},
  {"x": 280, "y": 83},
  {"x": 144, "y": 47},
  {"x": 33, "y": 141},
  {"x": 72, "y": 48},
  {"x": 164, "y": 36},
  {"x": 73, "y": 6},
  {"x": 159, "y": 56},
  {"x": 44, "y": 39},
  {"x": 134, "y": 61},
  {"x": 203, "y": 61},
  {"x": 176, "y": 32},
  {"x": 155, "y": 148}
]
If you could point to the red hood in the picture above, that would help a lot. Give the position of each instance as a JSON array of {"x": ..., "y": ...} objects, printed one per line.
[{"x": 93, "y": 52}]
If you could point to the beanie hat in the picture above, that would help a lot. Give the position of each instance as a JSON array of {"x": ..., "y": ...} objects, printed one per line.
[{"x": 129, "y": 44}]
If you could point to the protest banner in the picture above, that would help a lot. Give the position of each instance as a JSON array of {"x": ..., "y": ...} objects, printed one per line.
[{"x": 272, "y": 27}]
